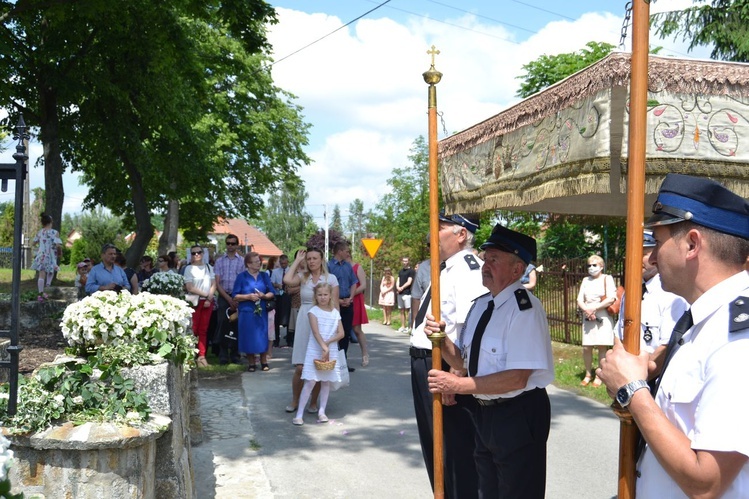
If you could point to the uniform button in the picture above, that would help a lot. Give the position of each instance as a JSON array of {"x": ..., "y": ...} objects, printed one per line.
[
  {"x": 739, "y": 302},
  {"x": 494, "y": 350}
]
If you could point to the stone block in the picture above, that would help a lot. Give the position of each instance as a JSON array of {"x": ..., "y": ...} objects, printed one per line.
[{"x": 92, "y": 460}]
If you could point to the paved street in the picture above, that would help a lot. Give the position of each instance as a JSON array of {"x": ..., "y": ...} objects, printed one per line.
[{"x": 370, "y": 447}]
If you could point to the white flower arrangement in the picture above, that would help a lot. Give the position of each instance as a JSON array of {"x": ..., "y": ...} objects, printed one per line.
[
  {"x": 161, "y": 322},
  {"x": 6, "y": 458},
  {"x": 165, "y": 283}
]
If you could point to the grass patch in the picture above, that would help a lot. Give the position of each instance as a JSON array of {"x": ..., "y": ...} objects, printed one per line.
[
  {"x": 255, "y": 445},
  {"x": 570, "y": 370},
  {"x": 65, "y": 278}
]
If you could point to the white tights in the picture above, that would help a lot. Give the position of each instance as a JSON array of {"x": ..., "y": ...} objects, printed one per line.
[{"x": 322, "y": 401}]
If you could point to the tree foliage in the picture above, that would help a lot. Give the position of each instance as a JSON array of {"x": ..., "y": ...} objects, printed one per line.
[
  {"x": 335, "y": 220},
  {"x": 153, "y": 101},
  {"x": 401, "y": 216},
  {"x": 549, "y": 69},
  {"x": 97, "y": 229},
  {"x": 285, "y": 219},
  {"x": 722, "y": 24},
  {"x": 7, "y": 222}
]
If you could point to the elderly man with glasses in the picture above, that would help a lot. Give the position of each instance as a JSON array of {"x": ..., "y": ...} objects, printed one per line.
[{"x": 106, "y": 275}]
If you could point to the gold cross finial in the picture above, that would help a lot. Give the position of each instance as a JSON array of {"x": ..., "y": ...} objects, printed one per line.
[{"x": 433, "y": 51}]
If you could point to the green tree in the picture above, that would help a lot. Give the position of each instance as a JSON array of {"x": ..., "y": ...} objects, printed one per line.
[
  {"x": 401, "y": 217},
  {"x": 722, "y": 24},
  {"x": 97, "y": 228},
  {"x": 7, "y": 222},
  {"x": 285, "y": 219},
  {"x": 355, "y": 225},
  {"x": 124, "y": 91},
  {"x": 335, "y": 220},
  {"x": 549, "y": 69}
]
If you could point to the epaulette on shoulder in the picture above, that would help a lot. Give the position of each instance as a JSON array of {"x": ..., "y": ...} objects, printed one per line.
[
  {"x": 472, "y": 263},
  {"x": 524, "y": 301},
  {"x": 738, "y": 314}
]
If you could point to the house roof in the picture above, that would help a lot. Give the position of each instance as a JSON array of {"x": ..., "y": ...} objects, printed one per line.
[{"x": 248, "y": 235}]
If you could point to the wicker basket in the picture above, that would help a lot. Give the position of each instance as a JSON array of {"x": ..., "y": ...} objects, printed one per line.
[{"x": 324, "y": 366}]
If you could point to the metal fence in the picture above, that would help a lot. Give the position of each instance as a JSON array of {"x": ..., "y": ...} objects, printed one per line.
[
  {"x": 557, "y": 287},
  {"x": 6, "y": 257}
]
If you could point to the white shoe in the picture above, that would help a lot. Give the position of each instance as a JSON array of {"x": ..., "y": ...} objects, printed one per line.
[
  {"x": 401, "y": 330},
  {"x": 297, "y": 421}
]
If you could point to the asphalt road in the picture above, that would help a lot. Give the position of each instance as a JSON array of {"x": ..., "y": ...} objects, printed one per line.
[{"x": 370, "y": 447}]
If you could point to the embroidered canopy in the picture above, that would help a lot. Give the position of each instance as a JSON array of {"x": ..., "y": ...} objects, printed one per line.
[{"x": 564, "y": 150}]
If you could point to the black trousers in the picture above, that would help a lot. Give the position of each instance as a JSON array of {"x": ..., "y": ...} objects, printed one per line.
[
  {"x": 227, "y": 349},
  {"x": 347, "y": 319},
  {"x": 461, "y": 478},
  {"x": 511, "y": 446},
  {"x": 283, "y": 309}
]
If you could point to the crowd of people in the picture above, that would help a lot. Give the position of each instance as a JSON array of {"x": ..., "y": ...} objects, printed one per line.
[{"x": 497, "y": 361}]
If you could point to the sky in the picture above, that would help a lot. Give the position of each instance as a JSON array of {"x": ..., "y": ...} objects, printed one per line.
[{"x": 362, "y": 89}]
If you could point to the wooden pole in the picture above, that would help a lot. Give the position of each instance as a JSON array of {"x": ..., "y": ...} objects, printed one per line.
[
  {"x": 432, "y": 77},
  {"x": 635, "y": 215}
]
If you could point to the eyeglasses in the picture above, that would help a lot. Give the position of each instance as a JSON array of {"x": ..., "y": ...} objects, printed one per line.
[
  {"x": 231, "y": 244},
  {"x": 193, "y": 253}
]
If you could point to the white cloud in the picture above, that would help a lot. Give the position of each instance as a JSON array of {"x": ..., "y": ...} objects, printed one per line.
[{"x": 363, "y": 91}]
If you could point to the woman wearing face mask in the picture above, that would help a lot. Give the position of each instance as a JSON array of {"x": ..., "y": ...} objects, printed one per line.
[{"x": 597, "y": 292}]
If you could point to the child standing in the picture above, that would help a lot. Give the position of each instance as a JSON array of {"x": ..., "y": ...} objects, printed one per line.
[
  {"x": 45, "y": 260},
  {"x": 327, "y": 329}
]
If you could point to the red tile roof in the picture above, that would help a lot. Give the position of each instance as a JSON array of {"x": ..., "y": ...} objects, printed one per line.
[{"x": 248, "y": 235}]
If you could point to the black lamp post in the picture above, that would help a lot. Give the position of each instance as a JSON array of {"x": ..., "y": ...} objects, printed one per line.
[{"x": 15, "y": 171}]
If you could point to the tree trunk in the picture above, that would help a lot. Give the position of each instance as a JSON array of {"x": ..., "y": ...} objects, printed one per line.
[
  {"x": 49, "y": 127},
  {"x": 143, "y": 228},
  {"x": 168, "y": 240}
]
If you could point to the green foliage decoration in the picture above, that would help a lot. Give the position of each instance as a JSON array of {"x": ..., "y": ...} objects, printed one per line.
[{"x": 107, "y": 331}]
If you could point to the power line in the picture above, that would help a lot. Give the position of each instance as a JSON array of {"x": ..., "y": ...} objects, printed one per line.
[
  {"x": 325, "y": 36},
  {"x": 483, "y": 17}
]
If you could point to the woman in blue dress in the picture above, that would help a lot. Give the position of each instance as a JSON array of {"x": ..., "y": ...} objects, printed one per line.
[{"x": 252, "y": 290}]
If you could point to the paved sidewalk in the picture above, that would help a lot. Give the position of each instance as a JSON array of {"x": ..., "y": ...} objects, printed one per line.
[{"x": 370, "y": 448}]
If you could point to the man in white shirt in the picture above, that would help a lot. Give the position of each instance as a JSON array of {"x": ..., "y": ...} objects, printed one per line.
[{"x": 695, "y": 428}]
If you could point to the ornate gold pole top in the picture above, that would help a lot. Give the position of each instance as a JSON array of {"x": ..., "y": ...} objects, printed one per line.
[{"x": 432, "y": 77}]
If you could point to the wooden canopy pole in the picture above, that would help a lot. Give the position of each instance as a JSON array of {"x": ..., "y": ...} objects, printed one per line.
[
  {"x": 638, "y": 95},
  {"x": 432, "y": 77}
]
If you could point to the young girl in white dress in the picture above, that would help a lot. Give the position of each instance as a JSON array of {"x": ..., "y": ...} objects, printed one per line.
[{"x": 325, "y": 322}]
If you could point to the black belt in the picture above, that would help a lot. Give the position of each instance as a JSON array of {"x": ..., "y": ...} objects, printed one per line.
[
  {"x": 420, "y": 353},
  {"x": 491, "y": 402},
  {"x": 498, "y": 401}
]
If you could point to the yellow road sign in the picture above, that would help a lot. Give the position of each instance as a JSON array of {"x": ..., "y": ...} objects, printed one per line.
[{"x": 371, "y": 245}]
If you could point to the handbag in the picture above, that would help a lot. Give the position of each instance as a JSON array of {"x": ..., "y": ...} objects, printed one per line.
[
  {"x": 232, "y": 316},
  {"x": 612, "y": 309},
  {"x": 270, "y": 305},
  {"x": 342, "y": 367}
]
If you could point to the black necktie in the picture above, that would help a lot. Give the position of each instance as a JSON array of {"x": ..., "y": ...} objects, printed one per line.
[
  {"x": 425, "y": 301},
  {"x": 283, "y": 284},
  {"x": 644, "y": 290},
  {"x": 473, "y": 361},
  {"x": 682, "y": 326}
]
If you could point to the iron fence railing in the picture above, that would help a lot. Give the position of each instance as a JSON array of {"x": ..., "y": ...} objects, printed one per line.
[{"x": 557, "y": 286}]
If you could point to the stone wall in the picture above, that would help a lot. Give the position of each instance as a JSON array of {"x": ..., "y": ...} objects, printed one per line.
[
  {"x": 118, "y": 462},
  {"x": 89, "y": 461}
]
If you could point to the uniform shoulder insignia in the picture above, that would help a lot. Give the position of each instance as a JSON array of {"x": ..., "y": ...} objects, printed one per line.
[
  {"x": 738, "y": 314},
  {"x": 472, "y": 263},
  {"x": 524, "y": 301}
]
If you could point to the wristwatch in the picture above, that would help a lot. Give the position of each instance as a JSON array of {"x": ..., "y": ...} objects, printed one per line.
[{"x": 624, "y": 394}]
